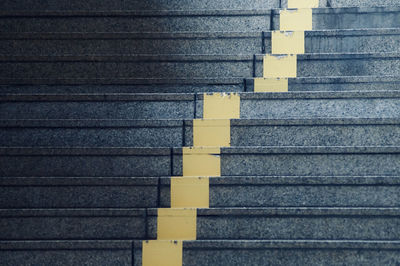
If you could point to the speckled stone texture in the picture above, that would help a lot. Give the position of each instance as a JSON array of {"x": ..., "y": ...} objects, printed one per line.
[
  {"x": 298, "y": 191},
  {"x": 313, "y": 161},
  {"x": 310, "y": 132},
  {"x": 89, "y": 162},
  {"x": 131, "y": 43},
  {"x": 285, "y": 252},
  {"x": 91, "y": 133},
  {"x": 137, "y": 21},
  {"x": 98, "y": 106},
  {"x": 103, "y": 5},
  {"x": 311, "y": 105},
  {"x": 79, "y": 192},
  {"x": 78, "y": 224},
  {"x": 363, "y": 3},
  {"x": 351, "y": 18}
]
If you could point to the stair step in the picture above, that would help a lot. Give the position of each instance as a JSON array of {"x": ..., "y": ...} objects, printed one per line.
[
  {"x": 351, "y": 17},
  {"x": 175, "y": 133},
  {"x": 298, "y": 191},
  {"x": 327, "y": 41},
  {"x": 188, "y": 66},
  {"x": 59, "y": 252},
  {"x": 135, "y": 21},
  {"x": 243, "y": 161},
  {"x": 304, "y": 105},
  {"x": 286, "y": 252},
  {"x": 73, "y": 224},
  {"x": 78, "y": 192},
  {"x": 293, "y": 223}
]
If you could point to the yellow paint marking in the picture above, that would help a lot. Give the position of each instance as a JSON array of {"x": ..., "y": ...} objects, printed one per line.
[
  {"x": 271, "y": 85},
  {"x": 215, "y": 133},
  {"x": 280, "y": 66},
  {"x": 303, "y": 3},
  {"x": 162, "y": 253},
  {"x": 296, "y": 19},
  {"x": 176, "y": 224},
  {"x": 287, "y": 42},
  {"x": 221, "y": 106},
  {"x": 201, "y": 161},
  {"x": 190, "y": 192}
]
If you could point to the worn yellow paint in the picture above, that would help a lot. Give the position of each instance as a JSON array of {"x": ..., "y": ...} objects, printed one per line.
[
  {"x": 287, "y": 42},
  {"x": 201, "y": 161},
  {"x": 162, "y": 253},
  {"x": 190, "y": 192},
  {"x": 211, "y": 132},
  {"x": 176, "y": 224},
  {"x": 296, "y": 19},
  {"x": 280, "y": 66},
  {"x": 303, "y": 3},
  {"x": 271, "y": 85},
  {"x": 221, "y": 106}
]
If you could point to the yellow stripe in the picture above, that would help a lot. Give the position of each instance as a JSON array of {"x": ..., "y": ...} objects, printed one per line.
[
  {"x": 303, "y": 3},
  {"x": 221, "y": 106},
  {"x": 162, "y": 253},
  {"x": 176, "y": 224},
  {"x": 271, "y": 85},
  {"x": 190, "y": 192},
  {"x": 296, "y": 19},
  {"x": 201, "y": 161},
  {"x": 215, "y": 133},
  {"x": 280, "y": 66},
  {"x": 287, "y": 42}
]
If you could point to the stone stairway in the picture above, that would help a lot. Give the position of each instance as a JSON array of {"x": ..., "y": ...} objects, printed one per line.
[{"x": 105, "y": 109}]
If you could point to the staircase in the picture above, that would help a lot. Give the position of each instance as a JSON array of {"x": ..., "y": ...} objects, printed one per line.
[{"x": 157, "y": 133}]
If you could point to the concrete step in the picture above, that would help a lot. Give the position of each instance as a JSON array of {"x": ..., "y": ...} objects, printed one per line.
[
  {"x": 58, "y": 253},
  {"x": 103, "y": 5},
  {"x": 304, "y": 105},
  {"x": 135, "y": 21},
  {"x": 73, "y": 224},
  {"x": 304, "y": 161},
  {"x": 63, "y": 86},
  {"x": 327, "y": 41},
  {"x": 78, "y": 192},
  {"x": 85, "y": 162},
  {"x": 293, "y": 223},
  {"x": 27, "y": 68},
  {"x": 175, "y": 133},
  {"x": 155, "y": 162},
  {"x": 351, "y": 17},
  {"x": 286, "y": 252},
  {"x": 298, "y": 191}
]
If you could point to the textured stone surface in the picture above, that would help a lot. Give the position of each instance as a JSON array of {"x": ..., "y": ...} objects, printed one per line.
[
  {"x": 120, "y": 106},
  {"x": 281, "y": 191},
  {"x": 136, "y": 21},
  {"x": 78, "y": 192},
  {"x": 91, "y": 133},
  {"x": 363, "y": 3},
  {"x": 313, "y": 161},
  {"x": 131, "y": 43},
  {"x": 351, "y": 18},
  {"x": 137, "y": 5},
  {"x": 72, "y": 224},
  {"x": 86, "y": 162},
  {"x": 65, "y": 253}
]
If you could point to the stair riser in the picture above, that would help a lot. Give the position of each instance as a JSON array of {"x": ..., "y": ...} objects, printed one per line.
[
  {"x": 136, "y": 5},
  {"x": 223, "y": 67},
  {"x": 66, "y": 227},
  {"x": 350, "y": 19},
  {"x": 314, "y": 43},
  {"x": 254, "y": 195},
  {"x": 282, "y": 256},
  {"x": 137, "y": 23}
]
